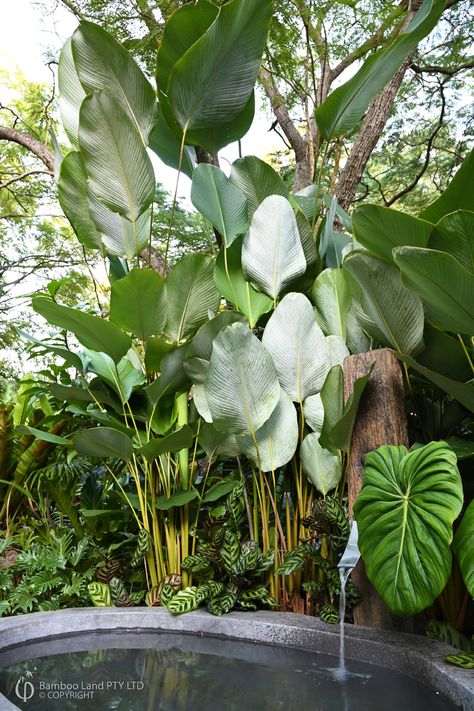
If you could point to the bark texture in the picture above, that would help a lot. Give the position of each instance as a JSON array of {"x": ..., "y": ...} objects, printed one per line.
[{"x": 36, "y": 147}]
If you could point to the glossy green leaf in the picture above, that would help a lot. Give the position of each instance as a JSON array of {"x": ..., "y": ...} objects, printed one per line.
[
  {"x": 120, "y": 236},
  {"x": 178, "y": 498},
  {"x": 445, "y": 286},
  {"x": 462, "y": 448},
  {"x": 272, "y": 255},
  {"x": 459, "y": 195},
  {"x": 174, "y": 442},
  {"x": 219, "y": 201},
  {"x": 455, "y": 234},
  {"x": 257, "y": 180},
  {"x": 172, "y": 380},
  {"x": 332, "y": 298},
  {"x": 297, "y": 346},
  {"x": 276, "y": 441},
  {"x": 405, "y": 514},
  {"x": 199, "y": 352},
  {"x": 463, "y": 546},
  {"x": 232, "y": 284},
  {"x": 138, "y": 303},
  {"x": 71, "y": 93},
  {"x": 388, "y": 312},
  {"x": 332, "y": 398},
  {"x": 242, "y": 387},
  {"x": 216, "y": 443},
  {"x": 155, "y": 350},
  {"x": 120, "y": 172},
  {"x": 463, "y": 392},
  {"x": 73, "y": 198},
  {"x": 44, "y": 436},
  {"x": 191, "y": 295},
  {"x": 322, "y": 467},
  {"x": 103, "y": 442},
  {"x": 341, "y": 432},
  {"x": 93, "y": 332},
  {"x": 123, "y": 377},
  {"x": 381, "y": 229},
  {"x": 444, "y": 354},
  {"x": 167, "y": 146},
  {"x": 346, "y": 105},
  {"x": 212, "y": 83},
  {"x": 104, "y": 65}
]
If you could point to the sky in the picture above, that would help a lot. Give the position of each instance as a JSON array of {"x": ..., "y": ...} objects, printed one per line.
[{"x": 26, "y": 35}]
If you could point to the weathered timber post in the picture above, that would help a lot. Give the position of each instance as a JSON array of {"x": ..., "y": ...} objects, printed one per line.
[{"x": 381, "y": 419}]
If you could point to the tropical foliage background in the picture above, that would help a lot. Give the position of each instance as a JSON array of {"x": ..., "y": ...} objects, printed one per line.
[{"x": 186, "y": 438}]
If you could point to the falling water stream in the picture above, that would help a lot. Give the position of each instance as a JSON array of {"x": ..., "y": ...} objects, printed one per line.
[{"x": 349, "y": 560}]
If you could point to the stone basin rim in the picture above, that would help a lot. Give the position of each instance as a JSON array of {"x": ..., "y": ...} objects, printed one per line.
[{"x": 413, "y": 655}]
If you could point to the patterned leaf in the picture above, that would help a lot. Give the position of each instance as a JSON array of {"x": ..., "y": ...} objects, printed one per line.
[
  {"x": 183, "y": 601},
  {"x": 230, "y": 551},
  {"x": 99, "y": 594},
  {"x": 223, "y": 603},
  {"x": 465, "y": 661},
  {"x": 328, "y": 613}
]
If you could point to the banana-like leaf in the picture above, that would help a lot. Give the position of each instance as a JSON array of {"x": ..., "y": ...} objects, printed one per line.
[
  {"x": 272, "y": 255},
  {"x": 389, "y": 313},
  {"x": 71, "y": 93},
  {"x": 232, "y": 284},
  {"x": 212, "y": 83},
  {"x": 257, "y": 180},
  {"x": 337, "y": 351},
  {"x": 174, "y": 442},
  {"x": 242, "y": 387},
  {"x": 173, "y": 379},
  {"x": 191, "y": 294},
  {"x": 332, "y": 398},
  {"x": 155, "y": 350},
  {"x": 463, "y": 392},
  {"x": 332, "y": 297},
  {"x": 455, "y": 234},
  {"x": 73, "y": 198},
  {"x": 138, "y": 303},
  {"x": 120, "y": 236},
  {"x": 405, "y": 514},
  {"x": 104, "y": 65},
  {"x": 444, "y": 354},
  {"x": 275, "y": 443},
  {"x": 198, "y": 393},
  {"x": 164, "y": 143},
  {"x": 322, "y": 467},
  {"x": 381, "y": 229},
  {"x": 103, "y": 442},
  {"x": 44, "y": 436},
  {"x": 463, "y": 546},
  {"x": 122, "y": 377},
  {"x": 346, "y": 105},
  {"x": 313, "y": 409},
  {"x": 93, "y": 332},
  {"x": 459, "y": 195},
  {"x": 297, "y": 346},
  {"x": 341, "y": 432},
  {"x": 120, "y": 172},
  {"x": 199, "y": 352},
  {"x": 219, "y": 201},
  {"x": 216, "y": 443},
  {"x": 446, "y": 287}
]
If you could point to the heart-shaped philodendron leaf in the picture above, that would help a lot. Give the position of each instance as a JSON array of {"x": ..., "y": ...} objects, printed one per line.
[{"x": 405, "y": 514}]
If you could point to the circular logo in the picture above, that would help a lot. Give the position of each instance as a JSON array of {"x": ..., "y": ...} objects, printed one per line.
[{"x": 24, "y": 689}]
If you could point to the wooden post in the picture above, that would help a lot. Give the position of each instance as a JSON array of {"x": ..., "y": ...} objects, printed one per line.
[{"x": 381, "y": 419}]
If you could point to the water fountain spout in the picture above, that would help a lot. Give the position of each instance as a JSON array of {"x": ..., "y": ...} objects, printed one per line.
[{"x": 348, "y": 561}]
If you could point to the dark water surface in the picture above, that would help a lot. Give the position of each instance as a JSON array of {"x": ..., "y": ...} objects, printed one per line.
[{"x": 172, "y": 672}]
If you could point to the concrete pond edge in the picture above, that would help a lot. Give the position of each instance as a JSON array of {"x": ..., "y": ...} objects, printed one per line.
[{"x": 413, "y": 655}]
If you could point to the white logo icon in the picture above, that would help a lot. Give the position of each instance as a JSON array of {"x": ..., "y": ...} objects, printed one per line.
[{"x": 24, "y": 689}]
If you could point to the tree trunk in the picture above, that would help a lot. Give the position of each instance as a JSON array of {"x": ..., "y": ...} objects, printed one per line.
[
  {"x": 36, "y": 147},
  {"x": 381, "y": 419}
]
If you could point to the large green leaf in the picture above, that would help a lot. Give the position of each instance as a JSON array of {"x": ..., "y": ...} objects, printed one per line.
[
  {"x": 164, "y": 143},
  {"x": 459, "y": 195},
  {"x": 138, "y": 303},
  {"x": 405, "y": 514},
  {"x": 444, "y": 354},
  {"x": 120, "y": 236},
  {"x": 463, "y": 546},
  {"x": 219, "y": 201},
  {"x": 71, "y": 93},
  {"x": 381, "y": 229},
  {"x": 174, "y": 442},
  {"x": 212, "y": 83},
  {"x": 446, "y": 287},
  {"x": 463, "y": 392},
  {"x": 191, "y": 295},
  {"x": 103, "y": 442},
  {"x": 232, "y": 284},
  {"x": 242, "y": 387},
  {"x": 313, "y": 409},
  {"x": 332, "y": 297},
  {"x": 276, "y": 441},
  {"x": 172, "y": 380},
  {"x": 199, "y": 352},
  {"x": 332, "y": 398},
  {"x": 346, "y": 105},
  {"x": 455, "y": 234},
  {"x": 104, "y": 65},
  {"x": 341, "y": 432},
  {"x": 257, "y": 180},
  {"x": 297, "y": 346},
  {"x": 389, "y": 313},
  {"x": 120, "y": 172},
  {"x": 72, "y": 194},
  {"x": 155, "y": 350},
  {"x": 123, "y": 377},
  {"x": 322, "y": 467},
  {"x": 272, "y": 255},
  {"x": 93, "y": 332}
]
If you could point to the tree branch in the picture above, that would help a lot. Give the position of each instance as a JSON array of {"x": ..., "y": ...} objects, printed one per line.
[
  {"x": 23, "y": 176},
  {"x": 434, "y": 69},
  {"x": 22, "y": 139}
]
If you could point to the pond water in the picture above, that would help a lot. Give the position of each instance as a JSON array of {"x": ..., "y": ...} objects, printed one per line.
[{"x": 127, "y": 671}]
